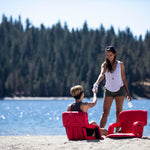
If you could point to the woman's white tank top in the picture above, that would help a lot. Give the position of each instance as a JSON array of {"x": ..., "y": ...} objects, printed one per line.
[{"x": 114, "y": 80}]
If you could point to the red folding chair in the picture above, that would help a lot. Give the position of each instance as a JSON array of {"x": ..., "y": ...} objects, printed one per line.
[
  {"x": 131, "y": 122},
  {"x": 76, "y": 124}
]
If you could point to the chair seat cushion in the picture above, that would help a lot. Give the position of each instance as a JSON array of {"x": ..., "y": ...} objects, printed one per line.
[{"x": 121, "y": 135}]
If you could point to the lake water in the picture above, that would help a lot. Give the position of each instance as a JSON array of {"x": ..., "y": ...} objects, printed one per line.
[{"x": 44, "y": 117}]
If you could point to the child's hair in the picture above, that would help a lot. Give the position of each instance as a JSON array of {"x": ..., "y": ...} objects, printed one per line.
[
  {"x": 113, "y": 50},
  {"x": 76, "y": 91}
]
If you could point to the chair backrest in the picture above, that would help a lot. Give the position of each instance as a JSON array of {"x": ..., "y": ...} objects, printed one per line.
[
  {"x": 74, "y": 122},
  {"x": 127, "y": 118},
  {"x": 75, "y": 118}
]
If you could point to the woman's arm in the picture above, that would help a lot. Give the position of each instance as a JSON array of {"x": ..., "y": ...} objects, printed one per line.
[
  {"x": 100, "y": 77},
  {"x": 87, "y": 105},
  {"x": 102, "y": 73},
  {"x": 125, "y": 81},
  {"x": 92, "y": 104}
]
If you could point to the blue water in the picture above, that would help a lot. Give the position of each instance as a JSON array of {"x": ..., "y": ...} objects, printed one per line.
[{"x": 44, "y": 117}]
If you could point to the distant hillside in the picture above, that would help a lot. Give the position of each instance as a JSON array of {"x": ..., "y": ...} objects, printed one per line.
[
  {"x": 45, "y": 62},
  {"x": 141, "y": 89}
]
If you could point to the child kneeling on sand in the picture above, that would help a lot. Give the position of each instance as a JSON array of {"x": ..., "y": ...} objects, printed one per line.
[{"x": 78, "y": 93}]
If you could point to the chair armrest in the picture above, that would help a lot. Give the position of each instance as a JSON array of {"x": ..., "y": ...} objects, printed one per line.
[
  {"x": 139, "y": 123},
  {"x": 112, "y": 126},
  {"x": 138, "y": 128},
  {"x": 92, "y": 126}
]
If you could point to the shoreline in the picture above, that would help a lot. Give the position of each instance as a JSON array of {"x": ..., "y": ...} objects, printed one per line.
[
  {"x": 37, "y": 98},
  {"x": 61, "y": 142},
  {"x": 45, "y": 98},
  {"x": 56, "y": 98}
]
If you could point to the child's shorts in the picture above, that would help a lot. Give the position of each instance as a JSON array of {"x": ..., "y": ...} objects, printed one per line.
[{"x": 121, "y": 92}]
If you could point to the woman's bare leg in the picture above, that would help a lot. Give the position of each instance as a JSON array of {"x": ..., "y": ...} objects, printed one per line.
[
  {"x": 93, "y": 122},
  {"x": 119, "y": 105},
  {"x": 107, "y": 102},
  {"x": 103, "y": 130}
]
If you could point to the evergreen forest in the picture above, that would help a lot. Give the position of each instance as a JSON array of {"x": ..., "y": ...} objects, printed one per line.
[{"x": 48, "y": 61}]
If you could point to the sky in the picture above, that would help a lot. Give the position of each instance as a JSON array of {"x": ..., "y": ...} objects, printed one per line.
[{"x": 120, "y": 14}]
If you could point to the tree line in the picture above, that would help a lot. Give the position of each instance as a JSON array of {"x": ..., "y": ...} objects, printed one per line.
[{"x": 48, "y": 61}]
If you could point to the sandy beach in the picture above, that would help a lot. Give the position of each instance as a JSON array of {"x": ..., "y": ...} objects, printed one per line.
[{"x": 62, "y": 143}]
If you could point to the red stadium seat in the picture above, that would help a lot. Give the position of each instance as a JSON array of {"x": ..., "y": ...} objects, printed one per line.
[
  {"x": 131, "y": 122},
  {"x": 76, "y": 124}
]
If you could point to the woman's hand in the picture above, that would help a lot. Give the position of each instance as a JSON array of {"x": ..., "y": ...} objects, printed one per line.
[
  {"x": 128, "y": 97},
  {"x": 95, "y": 88}
]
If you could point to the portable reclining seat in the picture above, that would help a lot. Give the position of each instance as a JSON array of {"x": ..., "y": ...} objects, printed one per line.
[
  {"x": 76, "y": 124},
  {"x": 131, "y": 122}
]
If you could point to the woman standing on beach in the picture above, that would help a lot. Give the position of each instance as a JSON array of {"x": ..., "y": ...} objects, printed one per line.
[{"x": 116, "y": 85}]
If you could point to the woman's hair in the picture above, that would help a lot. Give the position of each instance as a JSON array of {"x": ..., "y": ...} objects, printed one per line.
[
  {"x": 108, "y": 64},
  {"x": 76, "y": 91}
]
